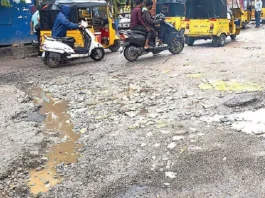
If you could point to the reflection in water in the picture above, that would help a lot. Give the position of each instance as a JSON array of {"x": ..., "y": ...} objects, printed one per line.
[{"x": 57, "y": 120}]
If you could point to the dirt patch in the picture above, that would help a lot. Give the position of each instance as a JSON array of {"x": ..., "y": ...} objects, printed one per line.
[{"x": 20, "y": 137}]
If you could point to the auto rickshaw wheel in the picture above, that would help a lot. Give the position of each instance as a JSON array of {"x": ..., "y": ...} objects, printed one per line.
[
  {"x": 244, "y": 25},
  {"x": 215, "y": 41},
  {"x": 221, "y": 40},
  {"x": 116, "y": 46},
  {"x": 189, "y": 40},
  {"x": 233, "y": 37}
]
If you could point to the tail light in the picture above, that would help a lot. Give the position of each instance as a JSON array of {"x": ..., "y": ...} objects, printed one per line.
[
  {"x": 211, "y": 26},
  {"x": 123, "y": 37},
  {"x": 44, "y": 7},
  {"x": 33, "y": 9},
  {"x": 174, "y": 24},
  {"x": 187, "y": 26}
]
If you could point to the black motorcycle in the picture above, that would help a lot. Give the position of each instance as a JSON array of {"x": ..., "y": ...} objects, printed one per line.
[{"x": 134, "y": 41}]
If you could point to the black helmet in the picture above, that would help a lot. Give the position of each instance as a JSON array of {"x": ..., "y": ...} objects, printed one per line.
[
  {"x": 137, "y": 2},
  {"x": 149, "y": 3}
]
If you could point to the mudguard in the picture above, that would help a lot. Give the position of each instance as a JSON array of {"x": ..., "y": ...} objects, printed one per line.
[{"x": 117, "y": 37}]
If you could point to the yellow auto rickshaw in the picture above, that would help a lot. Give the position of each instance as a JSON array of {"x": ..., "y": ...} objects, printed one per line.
[
  {"x": 97, "y": 13},
  {"x": 245, "y": 9},
  {"x": 174, "y": 11},
  {"x": 210, "y": 19},
  {"x": 240, "y": 11}
]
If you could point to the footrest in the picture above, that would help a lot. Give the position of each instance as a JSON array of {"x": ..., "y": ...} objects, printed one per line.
[{"x": 81, "y": 50}]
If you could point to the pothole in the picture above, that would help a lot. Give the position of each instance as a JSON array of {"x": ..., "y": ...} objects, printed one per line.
[
  {"x": 250, "y": 122},
  {"x": 63, "y": 153}
]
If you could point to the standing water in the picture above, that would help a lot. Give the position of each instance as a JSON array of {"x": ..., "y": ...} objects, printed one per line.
[{"x": 57, "y": 120}]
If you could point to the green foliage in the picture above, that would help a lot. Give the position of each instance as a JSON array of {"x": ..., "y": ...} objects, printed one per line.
[{"x": 6, "y": 3}]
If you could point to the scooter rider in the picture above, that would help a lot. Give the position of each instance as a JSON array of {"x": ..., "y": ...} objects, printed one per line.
[{"x": 62, "y": 23}]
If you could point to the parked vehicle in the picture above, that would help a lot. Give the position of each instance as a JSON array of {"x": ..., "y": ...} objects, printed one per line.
[
  {"x": 124, "y": 21},
  {"x": 134, "y": 41},
  {"x": 97, "y": 13},
  {"x": 57, "y": 50},
  {"x": 207, "y": 19},
  {"x": 241, "y": 10}
]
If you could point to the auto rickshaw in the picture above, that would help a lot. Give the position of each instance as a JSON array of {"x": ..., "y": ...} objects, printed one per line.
[
  {"x": 97, "y": 14},
  {"x": 174, "y": 11},
  {"x": 246, "y": 10},
  {"x": 208, "y": 19},
  {"x": 262, "y": 14},
  {"x": 240, "y": 11}
]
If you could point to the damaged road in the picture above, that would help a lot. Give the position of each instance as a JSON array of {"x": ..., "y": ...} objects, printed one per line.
[{"x": 164, "y": 126}]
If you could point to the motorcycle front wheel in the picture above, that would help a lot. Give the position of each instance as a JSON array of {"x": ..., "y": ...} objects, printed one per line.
[
  {"x": 130, "y": 54},
  {"x": 176, "y": 46}
]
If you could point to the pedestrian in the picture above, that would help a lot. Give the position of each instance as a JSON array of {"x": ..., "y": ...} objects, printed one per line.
[
  {"x": 258, "y": 8},
  {"x": 35, "y": 27}
]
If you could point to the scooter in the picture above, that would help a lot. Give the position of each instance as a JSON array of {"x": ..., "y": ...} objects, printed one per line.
[
  {"x": 134, "y": 41},
  {"x": 61, "y": 49}
]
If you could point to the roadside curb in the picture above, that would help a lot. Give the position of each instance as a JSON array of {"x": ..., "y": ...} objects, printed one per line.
[{"x": 19, "y": 52}]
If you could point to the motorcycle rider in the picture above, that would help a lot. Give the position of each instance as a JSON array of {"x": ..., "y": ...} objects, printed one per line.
[
  {"x": 150, "y": 22},
  {"x": 62, "y": 23}
]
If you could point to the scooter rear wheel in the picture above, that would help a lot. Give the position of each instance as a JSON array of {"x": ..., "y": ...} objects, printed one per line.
[
  {"x": 53, "y": 59},
  {"x": 129, "y": 54},
  {"x": 97, "y": 54}
]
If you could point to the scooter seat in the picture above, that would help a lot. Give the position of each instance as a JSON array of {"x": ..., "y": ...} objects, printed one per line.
[
  {"x": 70, "y": 41},
  {"x": 139, "y": 32},
  {"x": 81, "y": 50},
  {"x": 65, "y": 39}
]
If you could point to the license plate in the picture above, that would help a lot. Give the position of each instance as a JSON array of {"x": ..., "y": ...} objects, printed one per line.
[
  {"x": 43, "y": 55},
  {"x": 187, "y": 31}
]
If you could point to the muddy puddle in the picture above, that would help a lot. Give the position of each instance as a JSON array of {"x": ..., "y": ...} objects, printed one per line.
[{"x": 65, "y": 152}]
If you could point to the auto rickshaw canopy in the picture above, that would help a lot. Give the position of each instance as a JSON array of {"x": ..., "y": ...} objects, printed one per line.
[
  {"x": 78, "y": 9},
  {"x": 171, "y": 8},
  {"x": 206, "y": 9}
]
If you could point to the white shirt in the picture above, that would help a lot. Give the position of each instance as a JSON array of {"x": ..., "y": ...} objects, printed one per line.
[{"x": 258, "y": 5}]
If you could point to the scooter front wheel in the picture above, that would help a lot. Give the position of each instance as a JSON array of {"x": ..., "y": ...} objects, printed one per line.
[
  {"x": 53, "y": 59},
  {"x": 97, "y": 54},
  {"x": 130, "y": 54},
  {"x": 176, "y": 46}
]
